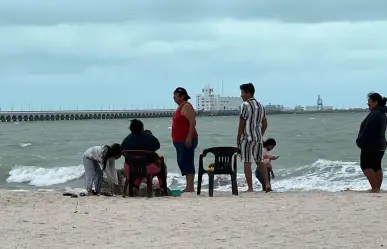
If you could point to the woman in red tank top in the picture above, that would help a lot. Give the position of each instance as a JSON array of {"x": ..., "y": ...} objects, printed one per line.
[{"x": 185, "y": 136}]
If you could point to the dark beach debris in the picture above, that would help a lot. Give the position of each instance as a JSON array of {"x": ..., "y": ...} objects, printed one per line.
[
  {"x": 72, "y": 195},
  {"x": 76, "y": 208}
]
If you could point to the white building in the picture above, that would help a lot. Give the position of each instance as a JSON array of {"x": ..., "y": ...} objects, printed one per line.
[
  {"x": 311, "y": 108},
  {"x": 208, "y": 101},
  {"x": 299, "y": 108},
  {"x": 271, "y": 107},
  {"x": 328, "y": 108}
]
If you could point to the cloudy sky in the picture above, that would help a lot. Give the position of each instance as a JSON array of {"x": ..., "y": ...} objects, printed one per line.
[{"x": 133, "y": 54}]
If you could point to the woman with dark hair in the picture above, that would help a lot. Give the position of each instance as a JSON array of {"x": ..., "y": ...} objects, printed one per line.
[
  {"x": 372, "y": 140},
  {"x": 98, "y": 160},
  {"x": 185, "y": 136}
]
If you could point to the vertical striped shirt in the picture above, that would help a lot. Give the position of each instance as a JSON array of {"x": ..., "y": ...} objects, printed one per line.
[{"x": 253, "y": 112}]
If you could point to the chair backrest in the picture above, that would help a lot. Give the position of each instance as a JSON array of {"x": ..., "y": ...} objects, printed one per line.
[
  {"x": 225, "y": 158},
  {"x": 138, "y": 160}
]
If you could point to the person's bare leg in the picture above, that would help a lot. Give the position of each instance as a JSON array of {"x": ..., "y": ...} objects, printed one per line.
[
  {"x": 190, "y": 187},
  {"x": 372, "y": 179},
  {"x": 249, "y": 176},
  {"x": 186, "y": 184},
  {"x": 379, "y": 178},
  {"x": 263, "y": 169}
]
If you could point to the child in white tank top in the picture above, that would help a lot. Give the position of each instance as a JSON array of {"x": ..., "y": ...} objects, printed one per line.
[{"x": 268, "y": 145}]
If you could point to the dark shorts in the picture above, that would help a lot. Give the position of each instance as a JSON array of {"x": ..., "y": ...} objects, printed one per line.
[
  {"x": 260, "y": 177},
  {"x": 371, "y": 160},
  {"x": 186, "y": 156}
]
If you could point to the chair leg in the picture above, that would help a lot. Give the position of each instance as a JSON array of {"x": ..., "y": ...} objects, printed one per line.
[
  {"x": 200, "y": 178},
  {"x": 125, "y": 189},
  {"x": 211, "y": 177},
  {"x": 165, "y": 187},
  {"x": 131, "y": 185},
  {"x": 234, "y": 186},
  {"x": 164, "y": 177},
  {"x": 149, "y": 187}
]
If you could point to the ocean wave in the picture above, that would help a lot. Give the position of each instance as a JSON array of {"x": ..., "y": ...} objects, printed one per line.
[
  {"x": 41, "y": 177},
  {"x": 24, "y": 145},
  {"x": 322, "y": 175}
]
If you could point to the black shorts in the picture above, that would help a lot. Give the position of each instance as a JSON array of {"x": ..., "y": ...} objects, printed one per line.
[{"x": 371, "y": 160}]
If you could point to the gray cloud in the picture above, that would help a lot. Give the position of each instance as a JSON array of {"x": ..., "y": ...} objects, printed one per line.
[
  {"x": 42, "y": 63},
  {"x": 93, "y": 52},
  {"x": 267, "y": 46},
  {"x": 42, "y": 12}
]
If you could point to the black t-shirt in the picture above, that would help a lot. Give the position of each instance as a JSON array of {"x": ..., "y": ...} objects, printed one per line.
[
  {"x": 372, "y": 133},
  {"x": 141, "y": 141}
]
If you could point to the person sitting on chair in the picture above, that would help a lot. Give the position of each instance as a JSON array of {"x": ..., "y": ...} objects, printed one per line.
[{"x": 140, "y": 139}]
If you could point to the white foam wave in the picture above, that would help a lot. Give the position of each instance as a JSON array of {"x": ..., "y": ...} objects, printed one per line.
[
  {"x": 24, "y": 145},
  {"x": 322, "y": 175},
  {"x": 40, "y": 177}
]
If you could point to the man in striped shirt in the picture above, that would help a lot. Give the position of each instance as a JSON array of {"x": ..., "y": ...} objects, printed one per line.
[{"x": 252, "y": 126}]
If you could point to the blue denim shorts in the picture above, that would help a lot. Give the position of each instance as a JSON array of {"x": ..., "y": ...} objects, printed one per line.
[{"x": 186, "y": 156}]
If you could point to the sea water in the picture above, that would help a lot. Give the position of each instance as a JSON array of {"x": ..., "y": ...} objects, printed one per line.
[{"x": 318, "y": 152}]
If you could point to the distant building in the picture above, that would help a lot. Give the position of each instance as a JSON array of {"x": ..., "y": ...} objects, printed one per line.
[
  {"x": 208, "y": 101},
  {"x": 299, "y": 108},
  {"x": 311, "y": 108},
  {"x": 328, "y": 108},
  {"x": 271, "y": 107}
]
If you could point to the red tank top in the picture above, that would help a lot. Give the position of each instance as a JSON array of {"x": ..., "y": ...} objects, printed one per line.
[{"x": 180, "y": 126}]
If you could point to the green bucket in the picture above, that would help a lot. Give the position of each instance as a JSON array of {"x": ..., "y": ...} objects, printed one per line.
[{"x": 175, "y": 192}]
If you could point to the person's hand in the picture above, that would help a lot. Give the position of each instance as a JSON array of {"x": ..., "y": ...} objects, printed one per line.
[
  {"x": 188, "y": 142},
  {"x": 272, "y": 175}
]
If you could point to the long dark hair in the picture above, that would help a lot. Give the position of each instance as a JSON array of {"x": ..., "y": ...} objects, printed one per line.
[
  {"x": 110, "y": 151},
  {"x": 378, "y": 98}
]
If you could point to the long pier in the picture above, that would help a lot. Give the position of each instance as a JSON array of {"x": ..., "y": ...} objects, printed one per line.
[{"x": 18, "y": 116}]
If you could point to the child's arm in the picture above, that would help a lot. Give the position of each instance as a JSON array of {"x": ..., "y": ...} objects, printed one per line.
[{"x": 272, "y": 173}]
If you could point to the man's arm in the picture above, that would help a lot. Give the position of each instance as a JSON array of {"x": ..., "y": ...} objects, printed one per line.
[
  {"x": 189, "y": 113},
  {"x": 124, "y": 144},
  {"x": 155, "y": 144},
  {"x": 272, "y": 172},
  {"x": 242, "y": 121},
  {"x": 264, "y": 122}
]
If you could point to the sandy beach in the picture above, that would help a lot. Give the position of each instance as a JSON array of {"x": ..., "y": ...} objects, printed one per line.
[{"x": 254, "y": 220}]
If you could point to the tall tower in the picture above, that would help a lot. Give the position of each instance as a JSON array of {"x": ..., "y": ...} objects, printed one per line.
[{"x": 320, "y": 105}]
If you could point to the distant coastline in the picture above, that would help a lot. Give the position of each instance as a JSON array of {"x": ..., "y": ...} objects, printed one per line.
[{"x": 356, "y": 110}]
